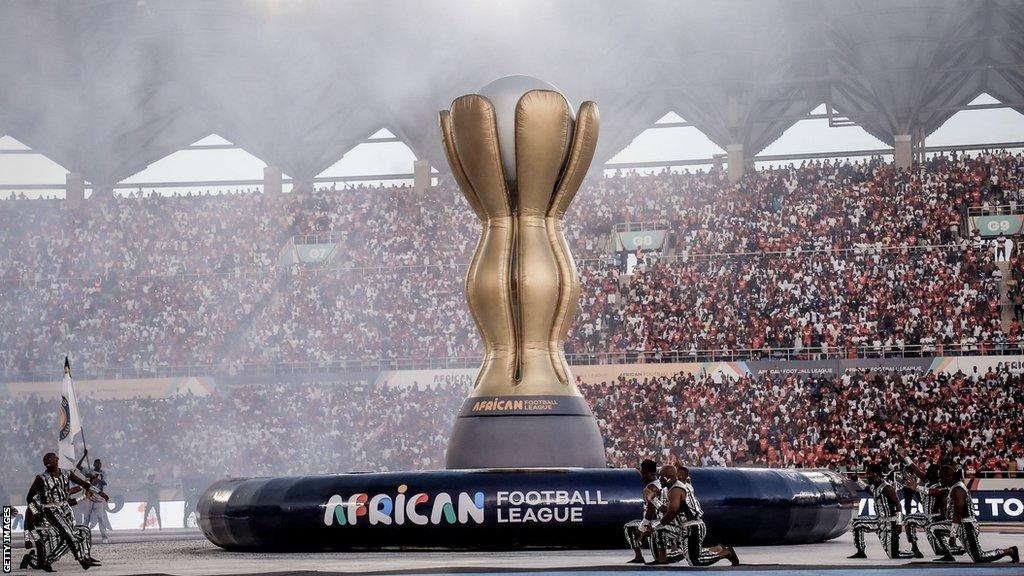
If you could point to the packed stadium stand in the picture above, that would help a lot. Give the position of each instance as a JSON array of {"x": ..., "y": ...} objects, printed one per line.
[{"x": 860, "y": 258}]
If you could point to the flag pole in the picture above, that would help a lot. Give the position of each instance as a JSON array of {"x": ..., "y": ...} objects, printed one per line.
[{"x": 85, "y": 447}]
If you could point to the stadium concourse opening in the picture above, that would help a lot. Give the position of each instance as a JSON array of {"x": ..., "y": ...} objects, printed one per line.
[{"x": 797, "y": 247}]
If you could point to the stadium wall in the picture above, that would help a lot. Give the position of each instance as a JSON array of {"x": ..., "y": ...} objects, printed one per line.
[
  {"x": 112, "y": 389},
  {"x": 202, "y": 386},
  {"x": 119, "y": 388},
  {"x": 596, "y": 374}
]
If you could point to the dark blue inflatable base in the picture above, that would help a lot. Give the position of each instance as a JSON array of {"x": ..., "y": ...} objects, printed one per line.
[{"x": 506, "y": 509}]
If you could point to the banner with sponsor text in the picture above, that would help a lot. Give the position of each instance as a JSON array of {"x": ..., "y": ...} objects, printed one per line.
[
  {"x": 313, "y": 253},
  {"x": 989, "y": 506},
  {"x": 993, "y": 226},
  {"x": 642, "y": 240}
]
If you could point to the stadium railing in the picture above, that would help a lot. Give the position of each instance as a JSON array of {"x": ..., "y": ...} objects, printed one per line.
[
  {"x": 996, "y": 210},
  {"x": 858, "y": 250},
  {"x": 853, "y": 473},
  {"x": 640, "y": 226},
  {"x": 317, "y": 238}
]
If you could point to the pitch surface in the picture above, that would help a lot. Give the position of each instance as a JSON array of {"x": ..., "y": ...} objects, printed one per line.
[{"x": 190, "y": 555}]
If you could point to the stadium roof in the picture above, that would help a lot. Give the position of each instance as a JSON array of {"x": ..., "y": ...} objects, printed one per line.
[{"x": 107, "y": 87}]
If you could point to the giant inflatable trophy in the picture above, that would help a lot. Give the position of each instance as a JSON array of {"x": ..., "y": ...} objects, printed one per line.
[{"x": 519, "y": 156}]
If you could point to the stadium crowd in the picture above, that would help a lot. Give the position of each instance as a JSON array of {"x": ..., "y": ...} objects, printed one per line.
[
  {"x": 793, "y": 420},
  {"x": 863, "y": 258},
  {"x": 866, "y": 303},
  {"x": 770, "y": 419}
]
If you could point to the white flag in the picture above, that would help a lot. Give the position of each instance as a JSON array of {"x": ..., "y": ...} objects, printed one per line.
[{"x": 70, "y": 441}]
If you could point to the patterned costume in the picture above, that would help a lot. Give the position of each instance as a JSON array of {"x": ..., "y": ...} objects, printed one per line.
[
  {"x": 921, "y": 520},
  {"x": 634, "y": 538},
  {"x": 930, "y": 515},
  {"x": 966, "y": 530},
  {"x": 886, "y": 522},
  {"x": 53, "y": 530},
  {"x": 686, "y": 531}
]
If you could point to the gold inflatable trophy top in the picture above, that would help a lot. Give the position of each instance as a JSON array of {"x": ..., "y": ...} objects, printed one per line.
[{"x": 519, "y": 155}]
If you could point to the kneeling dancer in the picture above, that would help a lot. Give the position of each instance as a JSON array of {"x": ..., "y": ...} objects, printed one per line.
[
  {"x": 638, "y": 531},
  {"x": 53, "y": 530},
  {"x": 962, "y": 522},
  {"x": 886, "y": 520},
  {"x": 682, "y": 526}
]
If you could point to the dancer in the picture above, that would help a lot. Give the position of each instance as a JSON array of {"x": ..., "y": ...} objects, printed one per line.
[
  {"x": 933, "y": 505},
  {"x": 96, "y": 507},
  {"x": 53, "y": 531},
  {"x": 192, "y": 490},
  {"x": 682, "y": 526},
  {"x": 152, "y": 491},
  {"x": 918, "y": 520},
  {"x": 885, "y": 522},
  {"x": 962, "y": 522},
  {"x": 637, "y": 531}
]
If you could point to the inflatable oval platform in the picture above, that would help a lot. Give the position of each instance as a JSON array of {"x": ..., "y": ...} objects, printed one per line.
[{"x": 506, "y": 509}]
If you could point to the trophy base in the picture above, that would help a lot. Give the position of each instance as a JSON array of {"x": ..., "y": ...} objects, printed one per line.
[{"x": 525, "y": 432}]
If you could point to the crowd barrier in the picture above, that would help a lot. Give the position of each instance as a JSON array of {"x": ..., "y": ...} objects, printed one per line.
[{"x": 129, "y": 516}]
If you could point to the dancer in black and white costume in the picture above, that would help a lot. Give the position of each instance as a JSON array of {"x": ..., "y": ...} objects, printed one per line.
[
  {"x": 638, "y": 531},
  {"x": 53, "y": 531},
  {"x": 962, "y": 522},
  {"x": 887, "y": 519},
  {"x": 933, "y": 506},
  {"x": 682, "y": 527}
]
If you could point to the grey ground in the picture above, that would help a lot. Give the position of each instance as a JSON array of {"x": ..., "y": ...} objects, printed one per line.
[{"x": 188, "y": 554}]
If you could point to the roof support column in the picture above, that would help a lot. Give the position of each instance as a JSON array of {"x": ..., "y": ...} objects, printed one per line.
[
  {"x": 74, "y": 189},
  {"x": 271, "y": 181},
  {"x": 101, "y": 192},
  {"x": 737, "y": 163},
  {"x": 904, "y": 151},
  {"x": 919, "y": 146},
  {"x": 421, "y": 176},
  {"x": 302, "y": 185}
]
